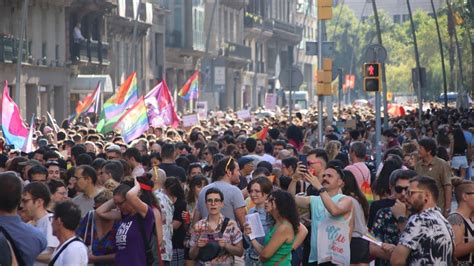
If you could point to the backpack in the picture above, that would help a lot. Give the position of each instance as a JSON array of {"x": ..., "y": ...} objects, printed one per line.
[
  {"x": 152, "y": 248},
  {"x": 16, "y": 251}
]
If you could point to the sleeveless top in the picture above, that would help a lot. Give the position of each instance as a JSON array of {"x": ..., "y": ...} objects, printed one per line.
[
  {"x": 468, "y": 237},
  {"x": 319, "y": 213},
  {"x": 283, "y": 254}
]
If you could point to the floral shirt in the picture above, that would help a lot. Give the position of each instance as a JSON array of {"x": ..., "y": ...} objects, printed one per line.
[
  {"x": 385, "y": 229},
  {"x": 429, "y": 236},
  {"x": 232, "y": 235},
  {"x": 167, "y": 210}
]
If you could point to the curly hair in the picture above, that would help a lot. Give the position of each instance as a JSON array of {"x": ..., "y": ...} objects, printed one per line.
[{"x": 286, "y": 206}]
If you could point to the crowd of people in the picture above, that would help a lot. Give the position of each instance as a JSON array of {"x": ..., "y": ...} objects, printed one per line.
[{"x": 219, "y": 194}]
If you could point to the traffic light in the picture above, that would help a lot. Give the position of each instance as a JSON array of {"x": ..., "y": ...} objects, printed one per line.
[
  {"x": 372, "y": 77},
  {"x": 323, "y": 87}
]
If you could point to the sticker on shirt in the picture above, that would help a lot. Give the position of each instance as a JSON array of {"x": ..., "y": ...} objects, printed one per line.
[{"x": 121, "y": 237}]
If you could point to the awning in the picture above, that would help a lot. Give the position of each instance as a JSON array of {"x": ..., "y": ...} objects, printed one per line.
[{"x": 87, "y": 83}]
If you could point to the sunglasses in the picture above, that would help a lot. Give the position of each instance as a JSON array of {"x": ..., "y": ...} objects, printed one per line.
[{"x": 400, "y": 189}]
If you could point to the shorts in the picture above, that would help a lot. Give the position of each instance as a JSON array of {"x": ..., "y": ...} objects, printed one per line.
[
  {"x": 459, "y": 162},
  {"x": 359, "y": 251}
]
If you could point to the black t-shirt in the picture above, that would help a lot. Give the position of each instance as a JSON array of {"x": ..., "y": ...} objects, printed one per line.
[
  {"x": 180, "y": 233},
  {"x": 243, "y": 182},
  {"x": 375, "y": 207},
  {"x": 171, "y": 169}
]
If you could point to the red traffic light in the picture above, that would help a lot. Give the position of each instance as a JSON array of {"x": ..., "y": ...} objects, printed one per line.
[{"x": 371, "y": 70}]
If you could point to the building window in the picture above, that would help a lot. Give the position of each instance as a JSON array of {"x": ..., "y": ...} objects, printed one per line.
[
  {"x": 396, "y": 19},
  {"x": 405, "y": 18}
]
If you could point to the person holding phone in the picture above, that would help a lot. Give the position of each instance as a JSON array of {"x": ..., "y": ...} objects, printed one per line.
[{"x": 210, "y": 229}]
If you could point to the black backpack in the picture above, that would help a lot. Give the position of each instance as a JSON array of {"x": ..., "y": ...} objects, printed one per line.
[
  {"x": 152, "y": 251},
  {"x": 16, "y": 251}
]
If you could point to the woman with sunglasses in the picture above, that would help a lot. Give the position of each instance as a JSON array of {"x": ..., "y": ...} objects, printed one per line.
[
  {"x": 462, "y": 223},
  {"x": 287, "y": 233},
  {"x": 216, "y": 228}
]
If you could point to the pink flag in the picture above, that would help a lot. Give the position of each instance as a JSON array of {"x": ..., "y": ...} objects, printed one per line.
[
  {"x": 14, "y": 130},
  {"x": 160, "y": 107},
  {"x": 28, "y": 146}
]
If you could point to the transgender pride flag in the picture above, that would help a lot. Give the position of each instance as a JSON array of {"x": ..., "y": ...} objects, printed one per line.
[{"x": 14, "y": 130}]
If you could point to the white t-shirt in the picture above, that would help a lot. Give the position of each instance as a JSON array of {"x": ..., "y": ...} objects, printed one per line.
[
  {"x": 44, "y": 225},
  {"x": 74, "y": 254}
]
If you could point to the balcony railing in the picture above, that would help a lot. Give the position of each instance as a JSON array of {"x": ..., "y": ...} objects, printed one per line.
[
  {"x": 290, "y": 28},
  {"x": 237, "y": 50},
  {"x": 9, "y": 49},
  {"x": 94, "y": 52}
]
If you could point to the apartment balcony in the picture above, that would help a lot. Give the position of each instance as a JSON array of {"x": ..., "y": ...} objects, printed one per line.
[
  {"x": 237, "y": 51},
  {"x": 94, "y": 52},
  {"x": 257, "y": 27},
  {"x": 287, "y": 32},
  {"x": 9, "y": 49},
  {"x": 94, "y": 5},
  {"x": 235, "y": 4}
]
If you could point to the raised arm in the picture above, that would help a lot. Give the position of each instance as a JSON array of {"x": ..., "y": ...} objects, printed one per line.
[
  {"x": 134, "y": 201},
  {"x": 107, "y": 211}
]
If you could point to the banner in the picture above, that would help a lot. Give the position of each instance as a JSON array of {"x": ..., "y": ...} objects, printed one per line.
[{"x": 202, "y": 109}]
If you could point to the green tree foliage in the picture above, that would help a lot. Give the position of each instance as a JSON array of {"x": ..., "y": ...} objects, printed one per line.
[{"x": 352, "y": 38}]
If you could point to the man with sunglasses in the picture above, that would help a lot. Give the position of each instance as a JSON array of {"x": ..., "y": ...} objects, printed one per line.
[
  {"x": 428, "y": 237},
  {"x": 391, "y": 214}
]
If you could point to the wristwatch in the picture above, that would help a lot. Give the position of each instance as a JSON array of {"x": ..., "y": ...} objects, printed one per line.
[
  {"x": 323, "y": 189},
  {"x": 401, "y": 219}
]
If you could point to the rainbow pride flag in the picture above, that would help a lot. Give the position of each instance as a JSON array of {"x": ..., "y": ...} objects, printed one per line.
[
  {"x": 134, "y": 122},
  {"x": 14, "y": 131},
  {"x": 89, "y": 100},
  {"x": 190, "y": 90},
  {"x": 116, "y": 105},
  {"x": 262, "y": 134}
]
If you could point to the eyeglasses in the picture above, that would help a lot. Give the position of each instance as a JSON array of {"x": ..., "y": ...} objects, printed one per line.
[
  {"x": 400, "y": 189},
  {"x": 411, "y": 192},
  {"x": 228, "y": 163},
  {"x": 213, "y": 201}
]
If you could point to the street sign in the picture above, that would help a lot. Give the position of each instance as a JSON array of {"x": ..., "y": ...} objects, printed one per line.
[
  {"x": 312, "y": 48},
  {"x": 375, "y": 53},
  {"x": 296, "y": 77}
]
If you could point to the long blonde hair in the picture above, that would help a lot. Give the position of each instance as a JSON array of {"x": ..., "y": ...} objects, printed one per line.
[{"x": 333, "y": 148}]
